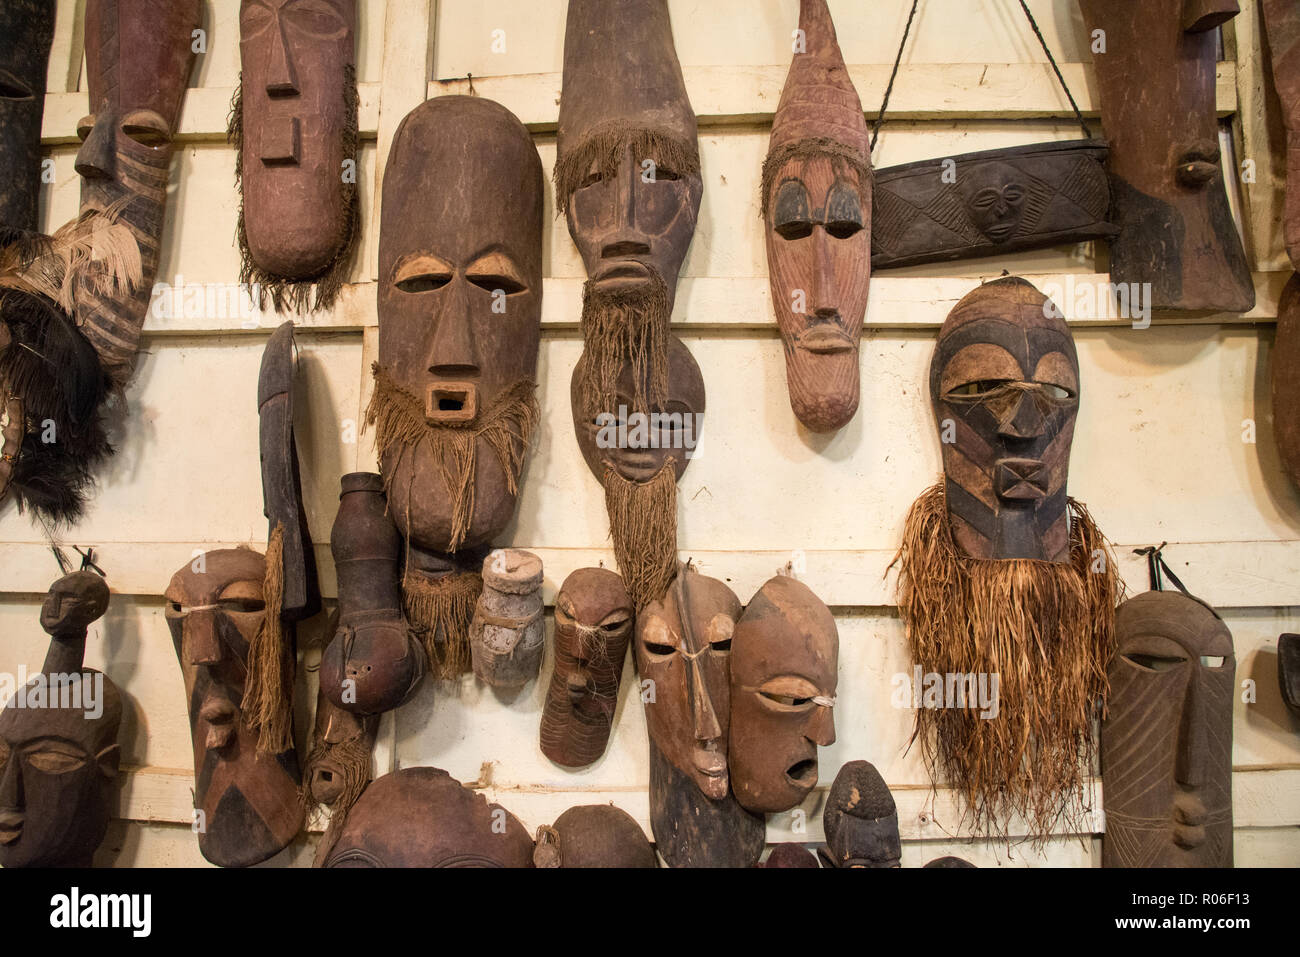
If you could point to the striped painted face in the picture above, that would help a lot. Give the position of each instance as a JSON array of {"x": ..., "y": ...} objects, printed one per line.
[{"x": 1004, "y": 384}]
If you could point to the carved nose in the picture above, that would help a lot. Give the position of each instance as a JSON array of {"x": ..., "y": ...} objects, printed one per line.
[
  {"x": 824, "y": 298},
  {"x": 281, "y": 78},
  {"x": 452, "y": 351},
  {"x": 97, "y": 158},
  {"x": 1022, "y": 420},
  {"x": 1189, "y": 768},
  {"x": 707, "y": 726},
  {"x": 200, "y": 637},
  {"x": 821, "y": 728}
]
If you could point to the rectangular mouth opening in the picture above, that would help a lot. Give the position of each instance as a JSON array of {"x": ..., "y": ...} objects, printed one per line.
[{"x": 451, "y": 402}]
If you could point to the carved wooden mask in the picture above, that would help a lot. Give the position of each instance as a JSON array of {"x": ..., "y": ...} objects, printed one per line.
[
  {"x": 59, "y": 764},
  {"x": 1167, "y": 184},
  {"x": 248, "y": 798},
  {"x": 860, "y": 820},
  {"x": 422, "y": 817},
  {"x": 596, "y": 835},
  {"x": 298, "y": 110},
  {"x": 507, "y": 634},
  {"x": 1166, "y": 743},
  {"x": 26, "y": 32},
  {"x": 460, "y": 297},
  {"x": 784, "y": 671},
  {"x": 1004, "y": 384},
  {"x": 1282, "y": 22},
  {"x": 1284, "y": 379},
  {"x": 1288, "y": 671},
  {"x": 593, "y": 625},
  {"x": 817, "y": 208},
  {"x": 138, "y": 58}
]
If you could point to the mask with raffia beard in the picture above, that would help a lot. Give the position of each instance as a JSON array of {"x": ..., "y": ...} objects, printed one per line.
[
  {"x": 1002, "y": 573},
  {"x": 639, "y": 458}
]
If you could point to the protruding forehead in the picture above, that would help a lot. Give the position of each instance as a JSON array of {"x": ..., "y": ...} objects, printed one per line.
[
  {"x": 788, "y": 626},
  {"x": 216, "y": 572},
  {"x": 594, "y": 594},
  {"x": 1009, "y": 313},
  {"x": 685, "y": 381},
  {"x": 1186, "y": 621},
  {"x": 97, "y": 692},
  {"x": 462, "y": 174}
]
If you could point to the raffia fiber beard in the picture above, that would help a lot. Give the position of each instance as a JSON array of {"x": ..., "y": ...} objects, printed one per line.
[
  {"x": 506, "y": 425},
  {"x": 267, "y": 707},
  {"x": 352, "y": 758},
  {"x": 439, "y": 612},
  {"x": 620, "y": 327},
  {"x": 1046, "y": 629},
  {"x": 643, "y": 524},
  {"x": 296, "y": 294}
]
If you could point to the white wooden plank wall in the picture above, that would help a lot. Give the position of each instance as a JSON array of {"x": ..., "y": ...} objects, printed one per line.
[{"x": 1163, "y": 452}]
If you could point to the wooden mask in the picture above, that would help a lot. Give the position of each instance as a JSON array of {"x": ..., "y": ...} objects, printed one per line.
[
  {"x": 294, "y": 123},
  {"x": 422, "y": 817},
  {"x": 683, "y": 657},
  {"x": 790, "y": 856},
  {"x": 1282, "y": 22},
  {"x": 1284, "y": 379},
  {"x": 593, "y": 624},
  {"x": 26, "y": 32},
  {"x": 1166, "y": 743},
  {"x": 507, "y": 634},
  {"x": 784, "y": 670},
  {"x": 1004, "y": 385},
  {"x": 1288, "y": 671},
  {"x": 58, "y": 741},
  {"x": 1167, "y": 184},
  {"x": 816, "y": 200},
  {"x": 138, "y": 59},
  {"x": 460, "y": 297},
  {"x": 596, "y": 835},
  {"x": 627, "y": 175},
  {"x": 860, "y": 820}
]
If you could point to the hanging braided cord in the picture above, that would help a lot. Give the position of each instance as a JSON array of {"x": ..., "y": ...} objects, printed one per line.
[{"x": 880, "y": 117}]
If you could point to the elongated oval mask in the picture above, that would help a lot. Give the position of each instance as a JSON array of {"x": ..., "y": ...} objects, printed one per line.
[{"x": 26, "y": 31}]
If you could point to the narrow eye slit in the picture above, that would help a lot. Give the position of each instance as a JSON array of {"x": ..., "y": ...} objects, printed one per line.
[
  {"x": 1058, "y": 392},
  {"x": 794, "y": 230},
  {"x": 1213, "y": 661},
  {"x": 493, "y": 283},
  {"x": 723, "y": 645},
  {"x": 175, "y": 608},
  {"x": 592, "y": 178},
  {"x": 54, "y": 762},
  {"x": 615, "y": 622},
  {"x": 668, "y": 175},
  {"x": 843, "y": 230},
  {"x": 1155, "y": 662},
  {"x": 423, "y": 283},
  {"x": 658, "y": 649},
  {"x": 243, "y": 605},
  {"x": 981, "y": 387},
  {"x": 149, "y": 136},
  {"x": 785, "y": 699},
  {"x": 1013, "y": 194}
]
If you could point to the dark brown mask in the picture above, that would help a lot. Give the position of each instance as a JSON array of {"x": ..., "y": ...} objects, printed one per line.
[
  {"x": 683, "y": 656},
  {"x": 138, "y": 58},
  {"x": 597, "y": 835},
  {"x": 790, "y": 856},
  {"x": 860, "y": 820},
  {"x": 1282, "y": 21},
  {"x": 248, "y": 798},
  {"x": 26, "y": 31},
  {"x": 58, "y": 741},
  {"x": 422, "y": 817},
  {"x": 460, "y": 295},
  {"x": 1288, "y": 671},
  {"x": 784, "y": 670},
  {"x": 295, "y": 123},
  {"x": 1004, "y": 385},
  {"x": 817, "y": 207},
  {"x": 593, "y": 624},
  {"x": 1166, "y": 743},
  {"x": 1284, "y": 375},
  {"x": 1167, "y": 183}
]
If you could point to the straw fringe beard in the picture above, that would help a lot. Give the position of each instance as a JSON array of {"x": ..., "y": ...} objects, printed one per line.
[
  {"x": 296, "y": 294},
  {"x": 1047, "y": 630},
  {"x": 808, "y": 148},
  {"x": 439, "y": 612},
  {"x": 267, "y": 707},
  {"x": 621, "y": 327},
  {"x": 353, "y": 759},
  {"x": 506, "y": 425},
  {"x": 643, "y": 524},
  {"x": 604, "y": 147}
]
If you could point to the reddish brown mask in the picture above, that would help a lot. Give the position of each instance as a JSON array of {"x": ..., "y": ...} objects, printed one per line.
[
  {"x": 297, "y": 102},
  {"x": 593, "y": 624},
  {"x": 817, "y": 207},
  {"x": 596, "y": 835},
  {"x": 246, "y": 801},
  {"x": 460, "y": 294},
  {"x": 58, "y": 752},
  {"x": 1282, "y": 19},
  {"x": 784, "y": 661},
  {"x": 1166, "y": 743},
  {"x": 1167, "y": 182},
  {"x": 26, "y": 31},
  {"x": 422, "y": 817},
  {"x": 1004, "y": 385},
  {"x": 138, "y": 59}
]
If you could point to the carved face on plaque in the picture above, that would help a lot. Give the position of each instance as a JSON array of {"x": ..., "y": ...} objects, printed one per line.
[
  {"x": 784, "y": 661},
  {"x": 27, "y": 28},
  {"x": 1004, "y": 384},
  {"x": 593, "y": 624},
  {"x": 138, "y": 58},
  {"x": 1166, "y": 744},
  {"x": 460, "y": 295},
  {"x": 248, "y": 799},
  {"x": 1167, "y": 178},
  {"x": 297, "y": 91}
]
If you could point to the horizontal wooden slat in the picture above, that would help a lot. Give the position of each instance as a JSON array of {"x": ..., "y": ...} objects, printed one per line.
[
  {"x": 1228, "y": 574},
  {"x": 707, "y": 303}
]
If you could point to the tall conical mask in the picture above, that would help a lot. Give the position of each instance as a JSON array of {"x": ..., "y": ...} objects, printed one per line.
[{"x": 816, "y": 201}]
